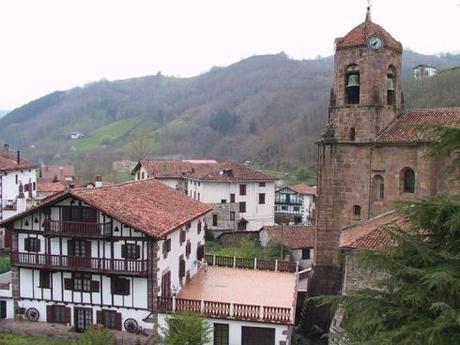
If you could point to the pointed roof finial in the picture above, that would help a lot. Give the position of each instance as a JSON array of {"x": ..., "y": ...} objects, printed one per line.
[{"x": 368, "y": 13}]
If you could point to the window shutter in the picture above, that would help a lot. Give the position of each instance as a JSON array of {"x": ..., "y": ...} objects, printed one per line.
[
  {"x": 38, "y": 244},
  {"x": 200, "y": 252},
  {"x": 138, "y": 252},
  {"x": 68, "y": 284},
  {"x": 113, "y": 286},
  {"x": 118, "y": 321},
  {"x": 99, "y": 317},
  {"x": 164, "y": 247},
  {"x": 168, "y": 247},
  {"x": 67, "y": 312},
  {"x": 181, "y": 268},
  {"x": 126, "y": 286},
  {"x": 88, "y": 249},
  {"x": 70, "y": 248},
  {"x": 94, "y": 286},
  {"x": 123, "y": 251},
  {"x": 49, "y": 313},
  {"x": 27, "y": 244}
]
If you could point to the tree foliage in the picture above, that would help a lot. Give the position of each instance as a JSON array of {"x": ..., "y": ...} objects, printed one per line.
[
  {"x": 186, "y": 328},
  {"x": 97, "y": 336}
]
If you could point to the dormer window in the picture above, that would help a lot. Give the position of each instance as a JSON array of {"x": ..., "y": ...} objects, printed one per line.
[
  {"x": 391, "y": 86},
  {"x": 352, "y": 83}
]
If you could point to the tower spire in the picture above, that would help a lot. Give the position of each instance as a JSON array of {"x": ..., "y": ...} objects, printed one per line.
[{"x": 368, "y": 13}]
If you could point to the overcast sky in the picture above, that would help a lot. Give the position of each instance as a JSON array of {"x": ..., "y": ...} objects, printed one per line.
[{"x": 49, "y": 45}]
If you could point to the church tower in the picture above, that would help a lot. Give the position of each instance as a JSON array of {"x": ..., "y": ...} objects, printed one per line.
[{"x": 365, "y": 99}]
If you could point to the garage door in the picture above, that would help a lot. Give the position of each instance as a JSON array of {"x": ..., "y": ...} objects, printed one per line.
[{"x": 257, "y": 336}]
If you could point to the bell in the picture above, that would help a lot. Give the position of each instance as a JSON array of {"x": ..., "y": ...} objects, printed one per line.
[
  {"x": 390, "y": 84},
  {"x": 353, "y": 80}
]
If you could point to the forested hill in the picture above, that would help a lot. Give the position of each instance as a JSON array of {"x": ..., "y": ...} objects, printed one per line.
[{"x": 268, "y": 109}]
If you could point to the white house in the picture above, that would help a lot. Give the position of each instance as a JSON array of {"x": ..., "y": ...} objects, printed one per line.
[
  {"x": 295, "y": 204},
  {"x": 127, "y": 255},
  {"x": 424, "y": 71},
  {"x": 242, "y": 198},
  {"x": 18, "y": 186}
]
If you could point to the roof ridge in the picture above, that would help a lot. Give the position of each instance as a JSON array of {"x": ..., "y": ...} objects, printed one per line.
[
  {"x": 116, "y": 185},
  {"x": 366, "y": 221},
  {"x": 431, "y": 109}
]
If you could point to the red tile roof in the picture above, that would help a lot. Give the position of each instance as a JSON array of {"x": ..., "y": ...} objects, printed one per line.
[
  {"x": 359, "y": 36},
  {"x": 49, "y": 187},
  {"x": 292, "y": 236},
  {"x": 418, "y": 124},
  {"x": 202, "y": 170},
  {"x": 148, "y": 205},
  {"x": 370, "y": 234},
  {"x": 50, "y": 172},
  {"x": 8, "y": 162},
  {"x": 303, "y": 189}
]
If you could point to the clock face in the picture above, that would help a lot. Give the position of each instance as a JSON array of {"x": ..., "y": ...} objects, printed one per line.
[{"x": 375, "y": 43}]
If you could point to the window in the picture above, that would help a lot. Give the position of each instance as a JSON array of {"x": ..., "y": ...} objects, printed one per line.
[
  {"x": 352, "y": 84},
  {"x": 214, "y": 220},
  {"x": 199, "y": 196},
  {"x": 2, "y": 309},
  {"x": 378, "y": 187},
  {"x": 200, "y": 252},
  {"x": 17, "y": 179},
  {"x": 32, "y": 244},
  {"x": 223, "y": 201},
  {"x": 408, "y": 180},
  {"x": 198, "y": 227},
  {"x": 391, "y": 86},
  {"x": 79, "y": 248},
  {"x": 352, "y": 133},
  {"x": 166, "y": 247},
  {"x": 34, "y": 186},
  {"x": 242, "y": 207},
  {"x": 232, "y": 215},
  {"x": 131, "y": 251},
  {"x": 261, "y": 198},
  {"x": 57, "y": 314},
  {"x": 188, "y": 249},
  {"x": 232, "y": 197},
  {"x": 120, "y": 286},
  {"x": 88, "y": 214},
  {"x": 296, "y": 208},
  {"x": 109, "y": 318},
  {"x": 284, "y": 208},
  {"x": 142, "y": 176},
  {"x": 357, "y": 212},
  {"x": 261, "y": 184},
  {"x": 182, "y": 237},
  {"x": 220, "y": 334},
  {"x": 306, "y": 254},
  {"x": 45, "y": 279},
  {"x": 82, "y": 282},
  {"x": 242, "y": 189},
  {"x": 181, "y": 267}
]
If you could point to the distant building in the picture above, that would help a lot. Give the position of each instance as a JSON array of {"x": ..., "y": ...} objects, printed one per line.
[
  {"x": 76, "y": 135},
  {"x": 64, "y": 172},
  {"x": 295, "y": 204},
  {"x": 242, "y": 198},
  {"x": 424, "y": 71},
  {"x": 124, "y": 165}
]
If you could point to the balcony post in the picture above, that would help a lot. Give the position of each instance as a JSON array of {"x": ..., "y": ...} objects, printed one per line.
[
  {"x": 276, "y": 265},
  {"x": 261, "y": 312},
  {"x": 202, "y": 307},
  {"x": 292, "y": 314},
  {"x": 214, "y": 259},
  {"x": 173, "y": 303},
  {"x": 232, "y": 309},
  {"x": 255, "y": 263},
  {"x": 234, "y": 261}
]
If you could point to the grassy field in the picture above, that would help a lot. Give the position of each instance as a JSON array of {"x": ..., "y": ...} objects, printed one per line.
[
  {"x": 106, "y": 135},
  {"x": 4, "y": 264},
  {"x": 19, "y": 339}
]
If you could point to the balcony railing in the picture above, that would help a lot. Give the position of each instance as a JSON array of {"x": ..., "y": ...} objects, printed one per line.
[
  {"x": 70, "y": 228},
  {"x": 76, "y": 263},
  {"x": 253, "y": 264},
  {"x": 225, "y": 310},
  {"x": 9, "y": 205}
]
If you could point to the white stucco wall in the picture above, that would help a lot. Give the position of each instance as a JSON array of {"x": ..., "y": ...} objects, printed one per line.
[
  {"x": 235, "y": 327},
  {"x": 10, "y": 190},
  {"x": 256, "y": 214}
]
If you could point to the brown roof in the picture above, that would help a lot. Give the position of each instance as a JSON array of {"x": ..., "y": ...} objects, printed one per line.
[
  {"x": 303, "y": 189},
  {"x": 418, "y": 124},
  {"x": 203, "y": 170},
  {"x": 50, "y": 172},
  {"x": 359, "y": 36},
  {"x": 148, "y": 205},
  {"x": 371, "y": 234},
  {"x": 242, "y": 286},
  {"x": 47, "y": 186},
  {"x": 8, "y": 162},
  {"x": 292, "y": 236}
]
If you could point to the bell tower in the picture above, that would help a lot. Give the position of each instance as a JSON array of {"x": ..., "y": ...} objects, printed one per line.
[
  {"x": 365, "y": 99},
  {"x": 366, "y": 95}
]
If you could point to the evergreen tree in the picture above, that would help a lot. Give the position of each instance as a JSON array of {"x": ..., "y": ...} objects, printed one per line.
[{"x": 186, "y": 328}]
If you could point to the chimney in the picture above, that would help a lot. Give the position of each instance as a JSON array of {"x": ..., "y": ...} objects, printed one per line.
[
  {"x": 98, "y": 182},
  {"x": 19, "y": 157},
  {"x": 6, "y": 148},
  {"x": 61, "y": 169}
]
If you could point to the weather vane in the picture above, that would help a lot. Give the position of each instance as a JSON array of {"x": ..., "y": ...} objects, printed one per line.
[{"x": 369, "y": 4}]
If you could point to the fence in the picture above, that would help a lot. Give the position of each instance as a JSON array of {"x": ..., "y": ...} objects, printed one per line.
[{"x": 254, "y": 264}]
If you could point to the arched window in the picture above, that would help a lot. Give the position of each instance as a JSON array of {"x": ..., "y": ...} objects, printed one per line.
[
  {"x": 408, "y": 180},
  {"x": 352, "y": 83},
  {"x": 391, "y": 85},
  {"x": 357, "y": 212},
  {"x": 378, "y": 187},
  {"x": 352, "y": 133}
]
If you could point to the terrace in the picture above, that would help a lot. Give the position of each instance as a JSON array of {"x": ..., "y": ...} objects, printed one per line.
[{"x": 237, "y": 293}]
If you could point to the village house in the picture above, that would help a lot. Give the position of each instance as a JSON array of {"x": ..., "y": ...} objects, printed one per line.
[
  {"x": 65, "y": 172},
  {"x": 242, "y": 198},
  {"x": 18, "y": 187},
  {"x": 424, "y": 71},
  {"x": 295, "y": 204},
  {"x": 127, "y": 255}
]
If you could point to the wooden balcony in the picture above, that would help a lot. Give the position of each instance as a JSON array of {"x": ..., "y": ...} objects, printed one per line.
[
  {"x": 253, "y": 264},
  {"x": 76, "y": 263},
  {"x": 224, "y": 310},
  {"x": 76, "y": 229}
]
